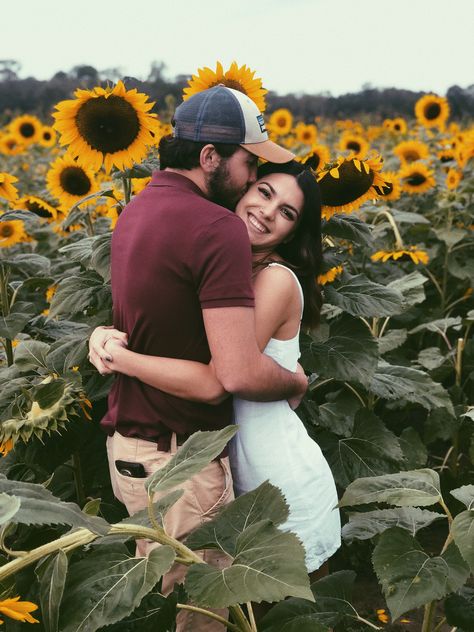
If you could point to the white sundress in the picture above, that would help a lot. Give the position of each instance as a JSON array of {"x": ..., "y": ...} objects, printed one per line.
[{"x": 272, "y": 443}]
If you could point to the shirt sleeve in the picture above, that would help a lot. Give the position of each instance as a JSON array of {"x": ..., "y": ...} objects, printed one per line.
[{"x": 221, "y": 264}]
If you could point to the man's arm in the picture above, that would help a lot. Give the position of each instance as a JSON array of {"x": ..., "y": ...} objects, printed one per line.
[{"x": 239, "y": 365}]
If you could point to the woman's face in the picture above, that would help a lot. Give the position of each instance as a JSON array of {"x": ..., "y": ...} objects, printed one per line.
[{"x": 271, "y": 209}]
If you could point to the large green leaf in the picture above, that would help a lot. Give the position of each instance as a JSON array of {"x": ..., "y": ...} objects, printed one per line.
[
  {"x": 459, "y": 610},
  {"x": 338, "y": 416},
  {"x": 9, "y": 506},
  {"x": 51, "y": 573},
  {"x": 199, "y": 450},
  {"x": 463, "y": 534},
  {"x": 38, "y": 506},
  {"x": 417, "y": 488},
  {"x": 264, "y": 503},
  {"x": 371, "y": 449},
  {"x": 31, "y": 355},
  {"x": 411, "y": 287},
  {"x": 14, "y": 322},
  {"x": 349, "y": 353},
  {"x": 391, "y": 340},
  {"x": 332, "y": 605},
  {"x": 414, "y": 450},
  {"x": 348, "y": 227},
  {"x": 461, "y": 264},
  {"x": 431, "y": 358},
  {"x": 268, "y": 565},
  {"x": 402, "y": 382},
  {"x": 76, "y": 293},
  {"x": 67, "y": 352},
  {"x": 464, "y": 494},
  {"x": 363, "y": 526},
  {"x": 108, "y": 585},
  {"x": 359, "y": 296},
  {"x": 411, "y": 578},
  {"x": 100, "y": 259},
  {"x": 440, "y": 325},
  {"x": 29, "y": 264}
]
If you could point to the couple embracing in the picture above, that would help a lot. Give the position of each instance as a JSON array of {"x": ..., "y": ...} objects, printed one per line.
[{"x": 207, "y": 306}]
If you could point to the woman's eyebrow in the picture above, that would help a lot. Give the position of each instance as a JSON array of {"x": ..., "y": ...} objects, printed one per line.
[{"x": 274, "y": 193}]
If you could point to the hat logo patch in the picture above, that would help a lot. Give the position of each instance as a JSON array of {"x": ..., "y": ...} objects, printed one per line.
[{"x": 261, "y": 123}]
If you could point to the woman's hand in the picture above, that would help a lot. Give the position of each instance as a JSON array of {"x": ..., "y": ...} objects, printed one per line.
[{"x": 101, "y": 357}]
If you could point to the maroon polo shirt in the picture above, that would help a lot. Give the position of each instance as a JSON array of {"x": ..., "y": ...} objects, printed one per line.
[{"x": 174, "y": 253}]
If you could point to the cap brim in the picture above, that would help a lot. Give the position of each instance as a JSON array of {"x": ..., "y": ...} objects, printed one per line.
[{"x": 268, "y": 150}]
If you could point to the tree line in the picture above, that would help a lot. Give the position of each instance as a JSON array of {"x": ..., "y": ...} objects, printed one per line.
[{"x": 31, "y": 95}]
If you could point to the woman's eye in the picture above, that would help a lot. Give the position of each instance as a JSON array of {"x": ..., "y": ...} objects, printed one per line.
[
  {"x": 288, "y": 214},
  {"x": 265, "y": 193}
]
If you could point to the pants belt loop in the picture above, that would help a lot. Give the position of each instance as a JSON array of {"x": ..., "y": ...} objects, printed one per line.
[{"x": 174, "y": 443}]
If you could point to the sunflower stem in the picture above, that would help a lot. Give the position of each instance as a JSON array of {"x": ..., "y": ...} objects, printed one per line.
[
  {"x": 78, "y": 479},
  {"x": 127, "y": 187},
  {"x": 398, "y": 238},
  {"x": 6, "y": 311},
  {"x": 212, "y": 615},
  {"x": 428, "y": 617}
]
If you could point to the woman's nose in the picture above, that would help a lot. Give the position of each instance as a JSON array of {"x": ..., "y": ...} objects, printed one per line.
[{"x": 267, "y": 211}]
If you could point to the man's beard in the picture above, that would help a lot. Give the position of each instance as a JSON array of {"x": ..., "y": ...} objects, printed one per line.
[{"x": 220, "y": 189}]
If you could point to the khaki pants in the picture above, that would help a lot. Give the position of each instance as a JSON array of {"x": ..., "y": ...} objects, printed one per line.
[{"x": 204, "y": 494}]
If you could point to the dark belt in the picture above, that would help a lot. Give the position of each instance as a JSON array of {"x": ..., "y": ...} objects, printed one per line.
[{"x": 164, "y": 441}]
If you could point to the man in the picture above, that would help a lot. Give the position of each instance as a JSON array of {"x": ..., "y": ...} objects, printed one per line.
[{"x": 181, "y": 287}]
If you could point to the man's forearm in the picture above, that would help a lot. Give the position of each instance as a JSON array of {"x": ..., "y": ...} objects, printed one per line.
[{"x": 267, "y": 381}]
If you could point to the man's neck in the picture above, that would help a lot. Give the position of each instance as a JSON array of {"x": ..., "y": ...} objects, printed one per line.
[{"x": 195, "y": 175}]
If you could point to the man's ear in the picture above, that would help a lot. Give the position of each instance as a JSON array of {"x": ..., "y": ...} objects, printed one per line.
[{"x": 209, "y": 159}]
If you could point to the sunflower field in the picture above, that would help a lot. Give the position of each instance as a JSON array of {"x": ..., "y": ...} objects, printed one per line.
[{"x": 391, "y": 401}]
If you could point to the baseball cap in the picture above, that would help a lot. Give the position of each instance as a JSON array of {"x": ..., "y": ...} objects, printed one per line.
[{"x": 224, "y": 115}]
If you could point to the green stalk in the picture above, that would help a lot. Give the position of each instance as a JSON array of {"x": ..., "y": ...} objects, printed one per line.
[
  {"x": 6, "y": 311},
  {"x": 78, "y": 479},
  {"x": 428, "y": 617},
  {"x": 127, "y": 187},
  {"x": 212, "y": 615}
]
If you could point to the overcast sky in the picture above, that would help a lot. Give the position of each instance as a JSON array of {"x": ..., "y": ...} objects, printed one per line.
[{"x": 310, "y": 46}]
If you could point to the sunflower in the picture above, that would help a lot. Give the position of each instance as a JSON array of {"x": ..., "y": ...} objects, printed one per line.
[
  {"x": 404, "y": 254},
  {"x": 10, "y": 145},
  {"x": 48, "y": 136},
  {"x": 399, "y": 125},
  {"x": 348, "y": 182},
  {"x": 38, "y": 206},
  {"x": 411, "y": 151},
  {"x": 432, "y": 111},
  {"x": 355, "y": 144},
  {"x": 453, "y": 178},
  {"x": 109, "y": 126},
  {"x": 12, "y": 232},
  {"x": 306, "y": 134},
  {"x": 317, "y": 157},
  {"x": 416, "y": 178},
  {"x": 69, "y": 182},
  {"x": 26, "y": 128},
  {"x": 242, "y": 79},
  {"x": 7, "y": 190},
  {"x": 281, "y": 122},
  {"x": 18, "y": 610},
  {"x": 6, "y": 446},
  {"x": 330, "y": 275},
  {"x": 391, "y": 188},
  {"x": 138, "y": 184},
  {"x": 446, "y": 155}
]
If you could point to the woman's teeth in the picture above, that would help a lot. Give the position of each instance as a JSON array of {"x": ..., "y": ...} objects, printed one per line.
[{"x": 256, "y": 224}]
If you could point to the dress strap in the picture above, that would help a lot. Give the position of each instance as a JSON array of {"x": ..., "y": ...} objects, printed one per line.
[{"x": 275, "y": 263}]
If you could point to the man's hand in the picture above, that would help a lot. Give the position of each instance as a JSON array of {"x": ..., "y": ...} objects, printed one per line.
[
  {"x": 99, "y": 356},
  {"x": 295, "y": 401}
]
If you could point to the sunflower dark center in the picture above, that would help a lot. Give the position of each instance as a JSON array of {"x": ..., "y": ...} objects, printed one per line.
[
  {"x": 446, "y": 158},
  {"x": 281, "y": 121},
  {"x": 27, "y": 130},
  {"x": 47, "y": 135},
  {"x": 74, "y": 181},
  {"x": 349, "y": 187},
  {"x": 411, "y": 155},
  {"x": 38, "y": 209},
  {"x": 432, "y": 111},
  {"x": 397, "y": 127},
  {"x": 354, "y": 145},
  {"x": 6, "y": 230},
  {"x": 108, "y": 124},
  {"x": 416, "y": 179}
]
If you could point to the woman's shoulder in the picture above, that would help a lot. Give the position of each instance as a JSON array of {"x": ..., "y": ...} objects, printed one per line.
[{"x": 277, "y": 278}]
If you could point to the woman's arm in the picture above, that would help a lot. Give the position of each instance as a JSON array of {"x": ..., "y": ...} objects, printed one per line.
[{"x": 182, "y": 378}]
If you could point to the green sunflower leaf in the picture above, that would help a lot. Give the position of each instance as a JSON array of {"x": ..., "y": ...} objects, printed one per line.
[
  {"x": 199, "y": 450},
  {"x": 350, "y": 352},
  {"x": 371, "y": 449},
  {"x": 9, "y": 506},
  {"x": 348, "y": 227},
  {"x": 464, "y": 494},
  {"x": 463, "y": 534},
  {"x": 401, "y": 382},
  {"x": 359, "y": 296},
  {"x": 30, "y": 355},
  {"x": 108, "y": 584},
  {"x": 363, "y": 526},
  {"x": 411, "y": 578},
  {"x": 51, "y": 573},
  {"x": 14, "y": 322},
  {"x": 411, "y": 287},
  {"x": 417, "y": 488}
]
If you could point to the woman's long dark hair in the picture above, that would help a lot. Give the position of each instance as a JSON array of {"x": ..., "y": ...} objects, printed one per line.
[{"x": 303, "y": 251}]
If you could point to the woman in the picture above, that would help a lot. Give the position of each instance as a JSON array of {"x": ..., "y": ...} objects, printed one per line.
[{"x": 282, "y": 213}]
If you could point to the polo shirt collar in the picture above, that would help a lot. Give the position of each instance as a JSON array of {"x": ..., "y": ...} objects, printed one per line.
[{"x": 172, "y": 179}]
